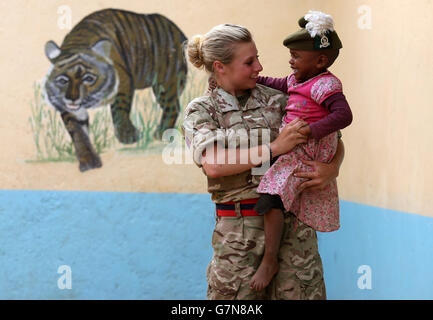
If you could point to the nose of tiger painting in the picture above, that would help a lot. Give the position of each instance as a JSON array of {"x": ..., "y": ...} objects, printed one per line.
[
  {"x": 72, "y": 94},
  {"x": 72, "y": 104}
]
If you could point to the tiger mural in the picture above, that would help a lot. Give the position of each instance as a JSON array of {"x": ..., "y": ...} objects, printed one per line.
[{"x": 103, "y": 60}]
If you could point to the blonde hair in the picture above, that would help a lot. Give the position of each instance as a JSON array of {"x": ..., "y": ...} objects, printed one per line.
[{"x": 217, "y": 44}]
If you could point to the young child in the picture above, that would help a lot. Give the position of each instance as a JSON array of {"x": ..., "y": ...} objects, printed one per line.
[{"x": 315, "y": 95}]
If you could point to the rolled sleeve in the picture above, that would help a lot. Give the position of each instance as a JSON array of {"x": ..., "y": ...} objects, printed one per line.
[{"x": 200, "y": 130}]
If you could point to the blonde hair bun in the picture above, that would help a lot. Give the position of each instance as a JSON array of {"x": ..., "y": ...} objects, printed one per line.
[{"x": 194, "y": 51}]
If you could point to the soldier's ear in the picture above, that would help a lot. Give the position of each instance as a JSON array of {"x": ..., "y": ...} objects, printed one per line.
[{"x": 218, "y": 67}]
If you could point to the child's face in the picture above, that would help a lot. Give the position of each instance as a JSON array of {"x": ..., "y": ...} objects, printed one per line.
[{"x": 305, "y": 64}]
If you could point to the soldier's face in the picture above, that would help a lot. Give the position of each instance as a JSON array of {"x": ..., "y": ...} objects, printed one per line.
[{"x": 242, "y": 72}]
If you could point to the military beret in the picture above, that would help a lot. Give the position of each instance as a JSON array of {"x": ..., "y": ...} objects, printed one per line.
[{"x": 317, "y": 33}]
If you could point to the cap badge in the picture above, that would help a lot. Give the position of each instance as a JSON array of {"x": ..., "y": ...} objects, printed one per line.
[{"x": 324, "y": 42}]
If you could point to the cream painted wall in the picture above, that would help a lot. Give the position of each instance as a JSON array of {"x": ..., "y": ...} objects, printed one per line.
[{"x": 386, "y": 73}]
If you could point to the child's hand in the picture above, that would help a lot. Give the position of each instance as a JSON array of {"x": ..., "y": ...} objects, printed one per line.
[{"x": 305, "y": 130}]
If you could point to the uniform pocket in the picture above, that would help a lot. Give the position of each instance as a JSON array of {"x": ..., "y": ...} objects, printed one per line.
[
  {"x": 235, "y": 255},
  {"x": 255, "y": 120},
  {"x": 221, "y": 282},
  {"x": 301, "y": 271},
  {"x": 273, "y": 115}
]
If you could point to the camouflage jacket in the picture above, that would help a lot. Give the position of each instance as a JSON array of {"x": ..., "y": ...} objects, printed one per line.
[{"x": 218, "y": 117}]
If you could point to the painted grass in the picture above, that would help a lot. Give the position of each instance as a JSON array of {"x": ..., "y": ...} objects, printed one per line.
[{"x": 49, "y": 134}]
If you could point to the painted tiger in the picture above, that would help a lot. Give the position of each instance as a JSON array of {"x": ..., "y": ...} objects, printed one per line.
[{"x": 102, "y": 60}]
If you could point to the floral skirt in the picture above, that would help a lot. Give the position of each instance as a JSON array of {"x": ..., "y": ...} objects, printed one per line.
[{"x": 318, "y": 209}]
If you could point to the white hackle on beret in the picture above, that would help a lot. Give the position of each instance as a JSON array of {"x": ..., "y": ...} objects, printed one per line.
[{"x": 318, "y": 23}]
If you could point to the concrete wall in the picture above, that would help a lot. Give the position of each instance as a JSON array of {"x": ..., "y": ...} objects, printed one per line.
[{"x": 139, "y": 228}]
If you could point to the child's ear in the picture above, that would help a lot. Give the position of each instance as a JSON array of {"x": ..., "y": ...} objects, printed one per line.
[{"x": 322, "y": 61}]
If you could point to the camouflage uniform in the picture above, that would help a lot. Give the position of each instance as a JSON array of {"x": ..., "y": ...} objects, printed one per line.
[{"x": 238, "y": 242}]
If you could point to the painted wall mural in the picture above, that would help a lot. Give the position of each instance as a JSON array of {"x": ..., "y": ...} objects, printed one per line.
[{"x": 106, "y": 57}]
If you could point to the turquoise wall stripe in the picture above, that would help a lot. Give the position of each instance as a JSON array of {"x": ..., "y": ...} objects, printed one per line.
[{"x": 157, "y": 246}]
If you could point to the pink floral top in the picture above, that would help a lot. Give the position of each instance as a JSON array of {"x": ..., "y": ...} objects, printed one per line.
[{"x": 305, "y": 98}]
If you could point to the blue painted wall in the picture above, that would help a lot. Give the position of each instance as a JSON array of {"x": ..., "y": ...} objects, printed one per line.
[
  {"x": 396, "y": 246},
  {"x": 157, "y": 246},
  {"x": 118, "y": 245}
]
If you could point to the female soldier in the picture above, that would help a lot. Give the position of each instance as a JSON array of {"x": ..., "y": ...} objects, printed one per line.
[{"x": 232, "y": 130}]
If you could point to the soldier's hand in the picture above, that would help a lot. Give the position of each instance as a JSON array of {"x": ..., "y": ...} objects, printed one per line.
[
  {"x": 320, "y": 177},
  {"x": 289, "y": 137}
]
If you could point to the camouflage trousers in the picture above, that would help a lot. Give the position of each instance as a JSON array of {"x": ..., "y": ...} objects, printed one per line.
[{"x": 238, "y": 244}]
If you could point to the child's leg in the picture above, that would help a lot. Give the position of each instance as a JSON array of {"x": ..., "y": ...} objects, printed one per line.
[{"x": 273, "y": 225}]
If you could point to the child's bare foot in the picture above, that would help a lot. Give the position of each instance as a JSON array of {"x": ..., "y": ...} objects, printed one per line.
[{"x": 264, "y": 274}]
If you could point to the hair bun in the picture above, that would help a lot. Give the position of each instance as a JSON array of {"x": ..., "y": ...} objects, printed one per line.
[
  {"x": 194, "y": 51},
  {"x": 197, "y": 40}
]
